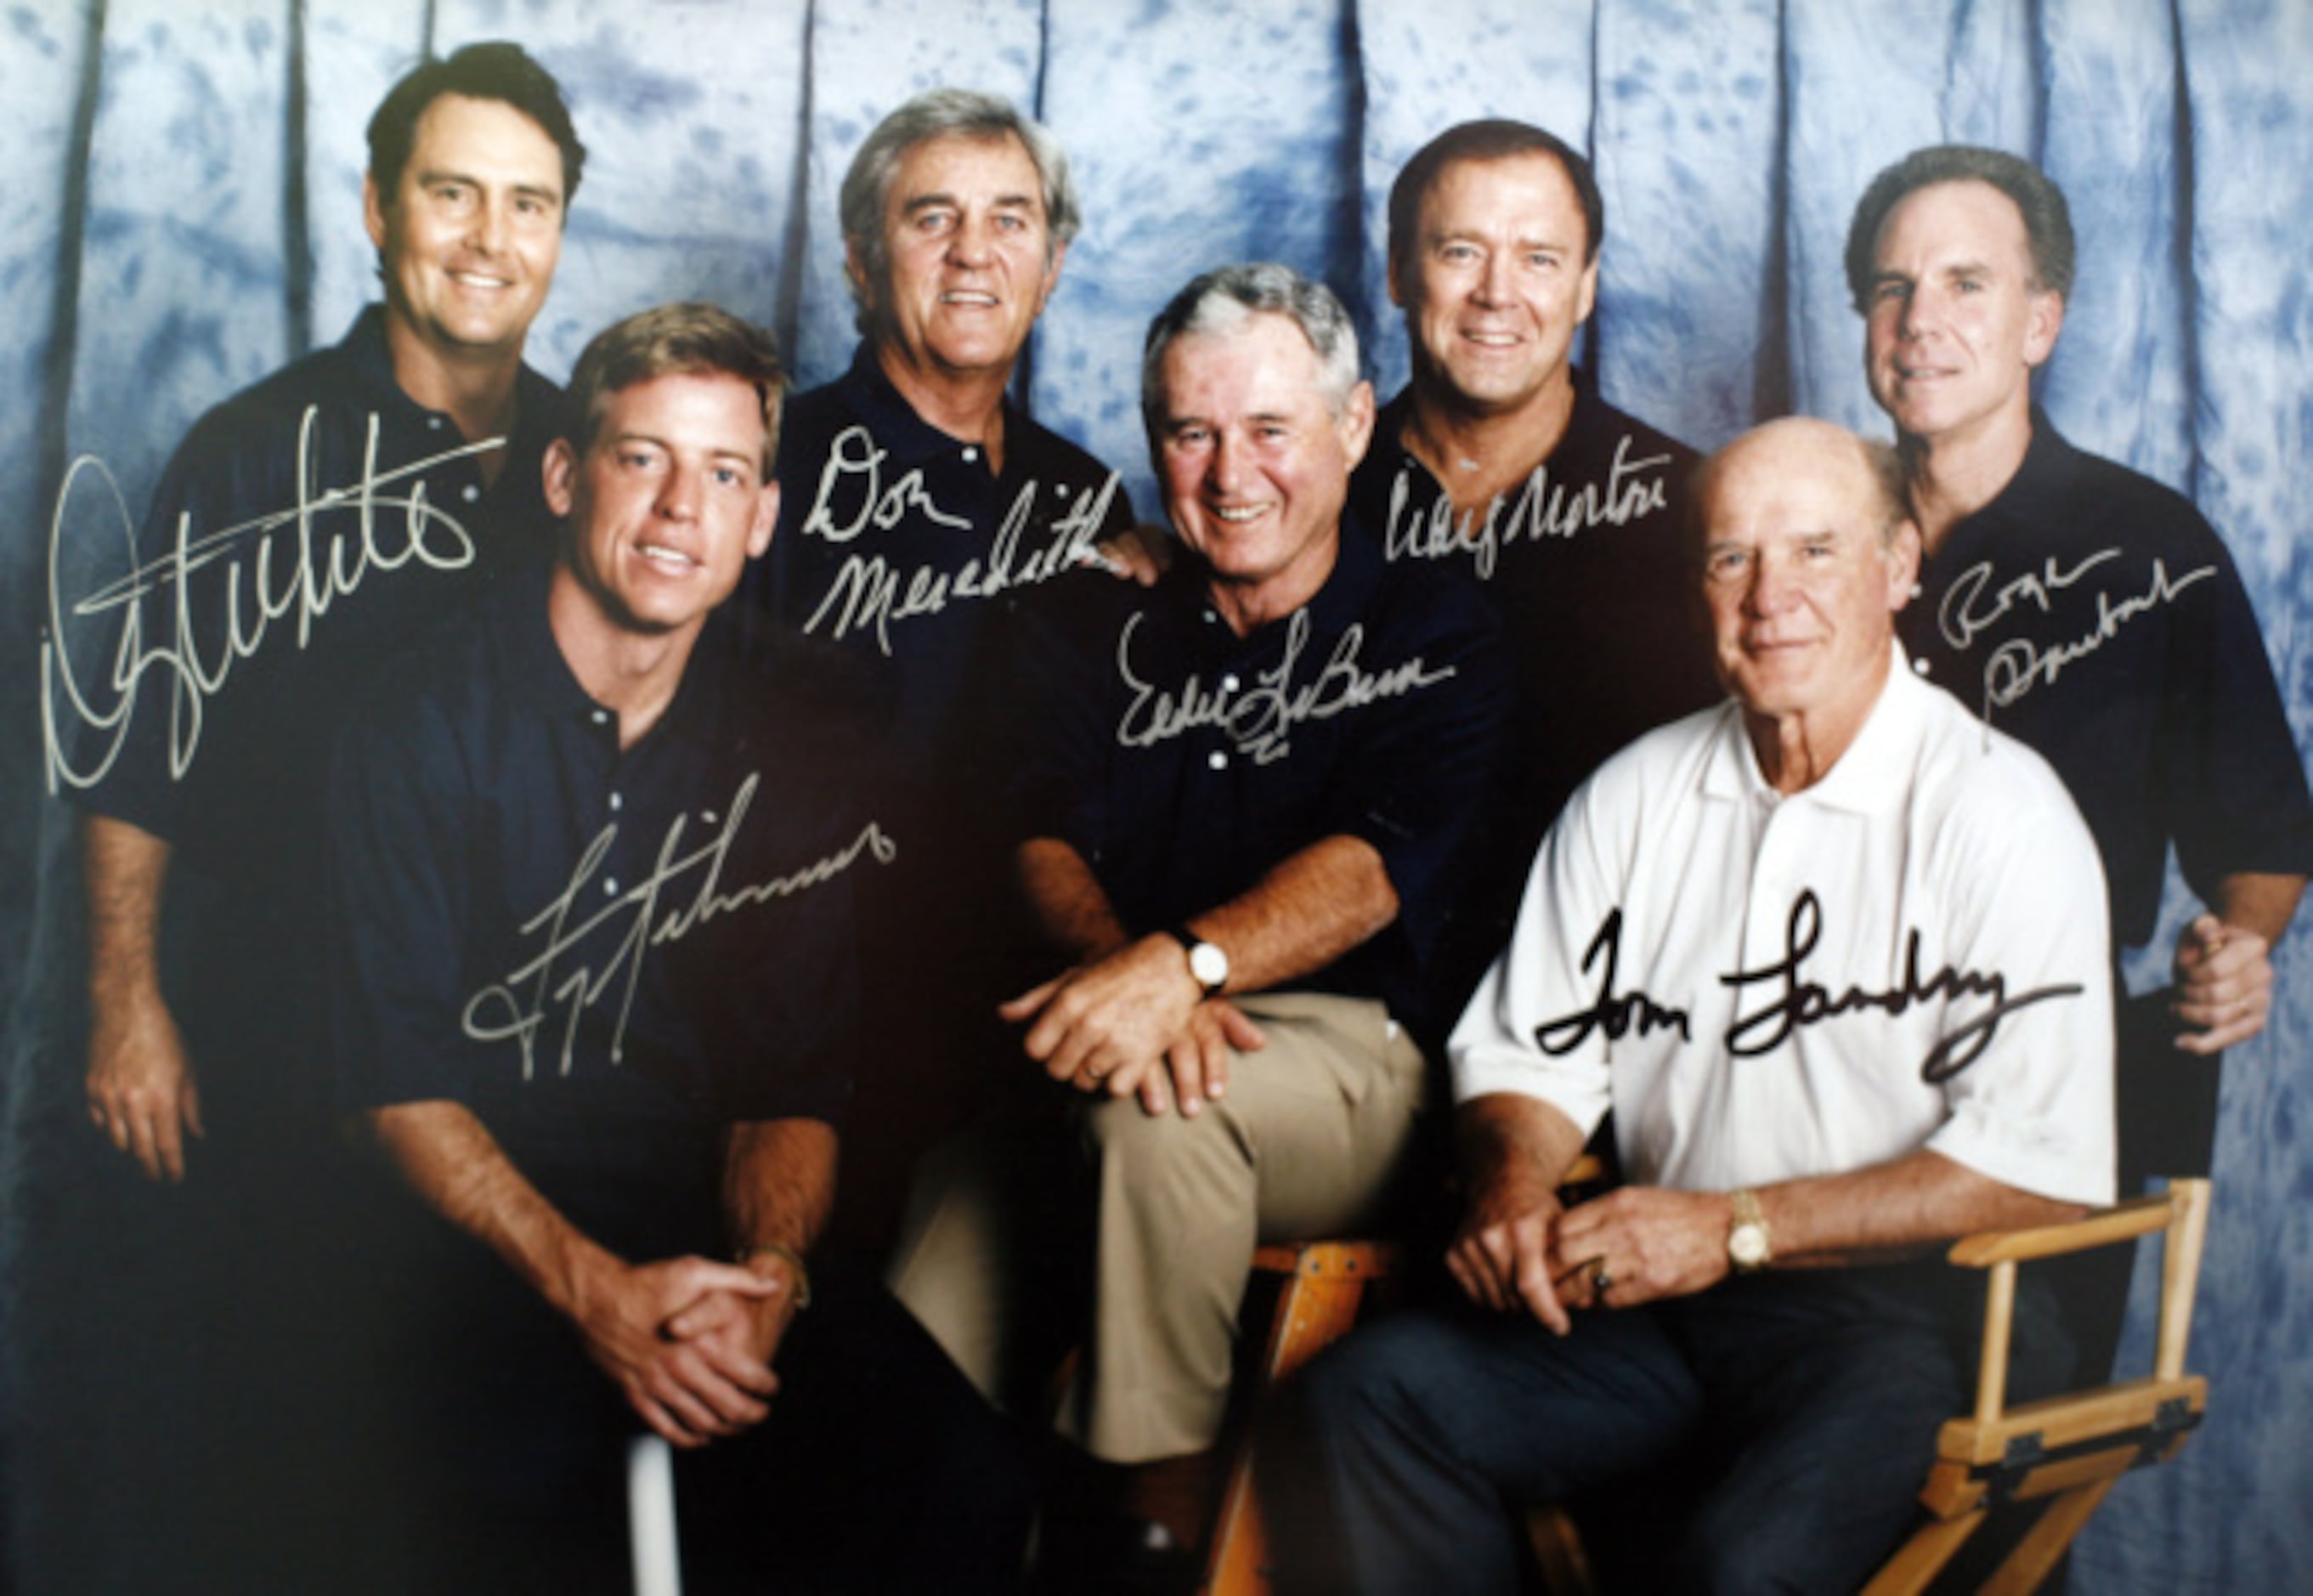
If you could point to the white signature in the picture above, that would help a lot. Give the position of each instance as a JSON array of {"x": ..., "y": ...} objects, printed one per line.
[
  {"x": 1541, "y": 509},
  {"x": 2018, "y": 666},
  {"x": 1260, "y": 718},
  {"x": 301, "y": 577},
  {"x": 517, "y": 1005},
  {"x": 870, "y": 594}
]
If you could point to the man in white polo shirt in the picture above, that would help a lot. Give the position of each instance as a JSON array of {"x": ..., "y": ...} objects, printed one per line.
[{"x": 1833, "y": 954}]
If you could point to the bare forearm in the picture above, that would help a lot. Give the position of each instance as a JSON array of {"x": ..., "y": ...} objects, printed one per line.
[
  {"x": 778, "y": 1183},
  {"x": 458, "y": 1168},
  {"x": 1066, "y": 901},
  {"x": 1915, "y": 1202},
  {"x": 124, "y": 871},
  {"x": 2259, "y": 902},
  {"x": 1502, "y": 1137},
  {"x": 1315, "y": 906}
]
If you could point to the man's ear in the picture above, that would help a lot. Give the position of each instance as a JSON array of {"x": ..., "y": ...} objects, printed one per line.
[
  {"x": 372, "y": 211},
  {"x": 1356, "y": 423},
  {"x": 767, "y": 516},
  {"x": 1052, "y": 275},
  {"x": 561, "y": 476},
  {"x": 2043, "y": 320},
  {"x": 1903, "y": 562}
]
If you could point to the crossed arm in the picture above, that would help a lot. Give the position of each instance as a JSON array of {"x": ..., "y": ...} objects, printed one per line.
[
  {"x": 1127, "y": 1017},
  {"x": 690, "y": 1341},
  {"x": 1519, "y": 1247}
]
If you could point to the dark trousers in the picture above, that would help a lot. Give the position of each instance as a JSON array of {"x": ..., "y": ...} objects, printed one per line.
[
  {"x": 879, "y": 1469},
  {"x": 1777, "y": 1429}
]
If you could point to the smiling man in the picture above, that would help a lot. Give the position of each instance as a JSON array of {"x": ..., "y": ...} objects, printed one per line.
[
  {"x": 2089, "y": 612},
  {"x": 594, "y": 990},
  {"x": 919, "y": 502},
  {"x": 1501, "y": 459},
  {"x": 417, "y": 439},
  {"x": 1714, "y": 944},
  {"x": 1245, "y": 791}
]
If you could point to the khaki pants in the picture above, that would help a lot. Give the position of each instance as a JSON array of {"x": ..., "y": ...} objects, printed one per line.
[{"x": 1302, "y": 1144}]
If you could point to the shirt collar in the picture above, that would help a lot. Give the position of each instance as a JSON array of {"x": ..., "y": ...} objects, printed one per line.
[
  {"x": 900, "y": 432},
  {"x": 1868, "y": 779},
  {"x": 535, "y": 661},
  {"x": 2040, "y": 493},
  {"x": 371, "y": 360},
  {"x": 1340, "y": 601}
]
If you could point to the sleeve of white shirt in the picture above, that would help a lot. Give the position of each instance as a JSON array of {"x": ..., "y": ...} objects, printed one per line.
[
  {"x": 2034, "y": 1108},
  {"x": 1577, "y": 882}
]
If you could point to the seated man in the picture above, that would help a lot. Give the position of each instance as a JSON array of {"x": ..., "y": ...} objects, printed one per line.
[
  {"x": 1246, "y": 787},
  {"x": 1834, "y": 956},
  {"x": 594, "y": 992}
]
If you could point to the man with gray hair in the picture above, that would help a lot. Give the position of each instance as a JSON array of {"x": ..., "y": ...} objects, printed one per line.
[
  {"x": 1759, "y": 1309},
  {"x": 1245, "y": 791},
  {"x": 918, "y": 501}
]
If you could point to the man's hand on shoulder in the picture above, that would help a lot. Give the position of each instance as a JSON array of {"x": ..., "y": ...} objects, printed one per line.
[
  {"x": 1107, "y": 1024},
  {"x": 690, "y": 1388},
  {"x": 142, "y": 1089},
  {"x": 1141, "y": 553}
]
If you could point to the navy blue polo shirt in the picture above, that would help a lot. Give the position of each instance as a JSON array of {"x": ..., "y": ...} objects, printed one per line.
[
  {"x": 1586, "y": 562},
  {"x": 1182, "y": 763},
  {"x": 897, "y": 544},
  {"x": 243, "y": 817},
  {"x": 2094, "y": 615},
  {"x": 609, "y": 956}
]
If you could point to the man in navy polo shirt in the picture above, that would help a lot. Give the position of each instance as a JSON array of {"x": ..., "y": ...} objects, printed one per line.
[
  {"x": 917, "y": 502},
  {"x": 1499, "y": 460},
  {"x": 1245, "y": 791},
  {"x": 595, "y": 993},
  {"x": 2087, "y": 610}
]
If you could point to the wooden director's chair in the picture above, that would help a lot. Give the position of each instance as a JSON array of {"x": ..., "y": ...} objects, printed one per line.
[{"x": 2068, "y": 1450}]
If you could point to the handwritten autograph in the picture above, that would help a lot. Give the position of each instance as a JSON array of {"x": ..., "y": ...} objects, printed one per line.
[
  {"x": 2018, "y": 666},
  {"x": 1541, "y": 509},
  {"x": 301, "y": 577},
  {"x": 868, "y": 592},
  {"x": 1801, "y": 1002},
  {"x": 1260, "y": 718},
  {"x": 517, "y": 1005}
]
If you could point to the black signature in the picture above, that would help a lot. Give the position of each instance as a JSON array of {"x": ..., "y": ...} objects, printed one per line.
[
  {"x": 1801, "y": 1003},
  {"x": 1615, "y": 1016}
]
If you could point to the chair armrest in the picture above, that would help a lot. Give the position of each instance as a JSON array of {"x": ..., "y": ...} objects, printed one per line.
[{"x": 2124, "y": 1221}]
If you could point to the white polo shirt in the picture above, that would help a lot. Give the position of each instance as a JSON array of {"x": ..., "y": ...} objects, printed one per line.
[{"x": 1911, "y": 953}]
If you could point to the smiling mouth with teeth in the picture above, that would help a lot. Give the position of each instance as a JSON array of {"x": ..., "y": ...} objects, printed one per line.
[
  {"x": 660, "y": 554},
  {"x": 1237, "y": 513}
]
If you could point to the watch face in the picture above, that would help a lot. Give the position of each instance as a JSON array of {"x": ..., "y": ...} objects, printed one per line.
[
  {"x": 1208, "y": 964},
  {"x": 1747, "y": 1246}
]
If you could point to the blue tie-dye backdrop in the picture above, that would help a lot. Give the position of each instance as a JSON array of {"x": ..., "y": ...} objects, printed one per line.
[{"x": 179, "y": 190}]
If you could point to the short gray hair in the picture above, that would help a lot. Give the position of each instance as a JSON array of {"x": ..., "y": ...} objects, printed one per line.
[
  {"x": 1223, "y": 299},
  {"x": 945, "y": 113}
]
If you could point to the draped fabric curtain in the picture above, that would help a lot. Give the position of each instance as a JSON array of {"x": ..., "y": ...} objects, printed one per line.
[{"x": 179, "y": 213}]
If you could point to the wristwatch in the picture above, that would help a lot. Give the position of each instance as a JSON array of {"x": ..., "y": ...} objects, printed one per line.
[
  {"x": 1207, "y": 962},
  {"x": 1749, "y": 1245}
]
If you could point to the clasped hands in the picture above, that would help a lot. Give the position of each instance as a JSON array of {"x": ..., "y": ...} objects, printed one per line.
[
  {"x": 1519, "y": 1247},
  {"x": 689, "y": 1341},
  {"x": 2224, "y": 984},
  {"x": 1135, "y": 1023}
]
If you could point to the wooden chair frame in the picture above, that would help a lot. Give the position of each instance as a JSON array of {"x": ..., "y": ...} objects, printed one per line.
[{"x": 2074, "y": 1447}]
